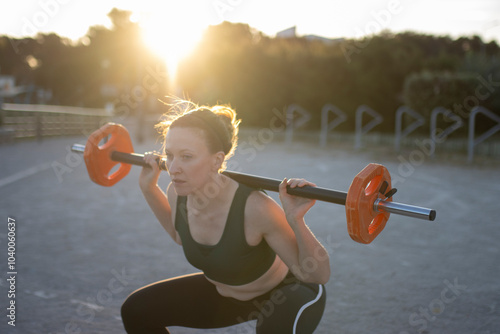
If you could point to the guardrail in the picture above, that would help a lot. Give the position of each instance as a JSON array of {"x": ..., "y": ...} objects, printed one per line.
[{"x": 38, "y": 121}]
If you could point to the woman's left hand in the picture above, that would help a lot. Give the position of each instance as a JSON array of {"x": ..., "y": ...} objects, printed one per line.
[{"x": 295, "y": 207}]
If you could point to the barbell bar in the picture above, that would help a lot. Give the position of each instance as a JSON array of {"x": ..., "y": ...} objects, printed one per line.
[
  {"x": 318, "y": 193},
  {"x": 367, "y": 203}
]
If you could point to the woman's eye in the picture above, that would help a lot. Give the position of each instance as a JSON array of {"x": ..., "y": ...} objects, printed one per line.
[{"x": 170, "y": 156}]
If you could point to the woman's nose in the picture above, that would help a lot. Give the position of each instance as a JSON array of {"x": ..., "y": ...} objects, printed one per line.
[{"x": 173, "y": 167}]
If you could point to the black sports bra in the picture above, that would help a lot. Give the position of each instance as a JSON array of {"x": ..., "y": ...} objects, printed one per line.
[{"x": 231, "y": 261}]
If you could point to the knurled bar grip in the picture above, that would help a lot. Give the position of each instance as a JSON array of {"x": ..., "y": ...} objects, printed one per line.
[{"x": 318, "y": 193}]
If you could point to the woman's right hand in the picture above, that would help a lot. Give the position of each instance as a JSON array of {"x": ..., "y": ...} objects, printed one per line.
[{"x": 149, "y": 176}]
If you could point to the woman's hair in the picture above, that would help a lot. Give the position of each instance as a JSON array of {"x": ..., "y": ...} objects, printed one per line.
[{"x": 218, "y": 124}]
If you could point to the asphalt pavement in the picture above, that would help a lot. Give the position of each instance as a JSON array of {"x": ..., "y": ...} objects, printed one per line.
[{"x": 80, "y": 248}]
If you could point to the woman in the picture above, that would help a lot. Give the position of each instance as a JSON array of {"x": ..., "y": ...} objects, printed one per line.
[{"x": 258, "y": 261}]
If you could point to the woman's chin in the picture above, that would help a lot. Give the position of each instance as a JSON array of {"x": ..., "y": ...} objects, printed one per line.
[{"x": 181, "y": 189}]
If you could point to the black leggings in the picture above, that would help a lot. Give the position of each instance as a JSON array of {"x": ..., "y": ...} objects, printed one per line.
[{"x": 293, "y": 307}]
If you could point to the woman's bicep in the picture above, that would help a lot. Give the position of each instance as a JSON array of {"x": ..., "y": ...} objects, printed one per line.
[{"x": 270, "y": 220}]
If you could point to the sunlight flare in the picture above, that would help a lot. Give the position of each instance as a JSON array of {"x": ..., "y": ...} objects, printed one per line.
[{"x": 172, "y": 33}]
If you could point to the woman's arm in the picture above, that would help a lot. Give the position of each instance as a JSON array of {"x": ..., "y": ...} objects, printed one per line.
[
  {"x": 288, "y": 235},
  {"x": 155, "y": 197}
]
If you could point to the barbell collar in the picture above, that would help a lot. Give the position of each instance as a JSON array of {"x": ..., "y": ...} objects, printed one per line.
[
  {"x": 79, "y": 148},
  {"x": 404, "y": 209}
]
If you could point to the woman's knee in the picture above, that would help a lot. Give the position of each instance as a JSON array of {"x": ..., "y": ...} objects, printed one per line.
[
  {"x": 300, "y": 310},
  {"x": 311, "y": 313},
  {"x": 131, "y": 310}
]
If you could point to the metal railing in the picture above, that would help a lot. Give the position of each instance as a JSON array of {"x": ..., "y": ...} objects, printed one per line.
[{"x": 38, "y": 121}]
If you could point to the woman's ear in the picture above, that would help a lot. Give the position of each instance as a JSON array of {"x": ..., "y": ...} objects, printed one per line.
[{"x": 219, "y": 158}]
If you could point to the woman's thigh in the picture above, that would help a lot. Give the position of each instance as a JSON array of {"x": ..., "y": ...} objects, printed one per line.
[
  {"x": 187, "y": 301},
  {"x": 293, "y": 309},
  {"x": 192, "y": 301}
]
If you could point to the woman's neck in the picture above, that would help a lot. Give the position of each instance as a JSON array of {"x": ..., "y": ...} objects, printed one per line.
[{"x": 212, "y": 195}]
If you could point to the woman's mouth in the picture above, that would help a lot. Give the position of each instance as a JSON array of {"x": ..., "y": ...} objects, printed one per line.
[{"x": 178, "y": 182}]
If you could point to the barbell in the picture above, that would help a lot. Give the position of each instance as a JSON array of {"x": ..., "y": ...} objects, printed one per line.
[{"x": 368, "y": 202}]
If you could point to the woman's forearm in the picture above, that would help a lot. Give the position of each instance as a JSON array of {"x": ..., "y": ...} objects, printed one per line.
[
  {"x": 313, "y": 259},
  {"x": 158, "y": 202}
]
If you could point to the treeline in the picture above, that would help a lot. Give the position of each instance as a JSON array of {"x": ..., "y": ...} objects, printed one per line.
[
  {"x": 256, "y": 73},
  {"x": 104, "y": 66},
  {"x": 238, "y": 65}
]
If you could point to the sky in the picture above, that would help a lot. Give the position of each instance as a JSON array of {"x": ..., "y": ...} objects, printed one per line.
[
  {"x": 329, "y": 18},
  {"x": 182, "y": 22}
]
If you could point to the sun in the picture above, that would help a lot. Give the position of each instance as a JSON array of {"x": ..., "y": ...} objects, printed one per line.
[{"x": 171, "y": 32}]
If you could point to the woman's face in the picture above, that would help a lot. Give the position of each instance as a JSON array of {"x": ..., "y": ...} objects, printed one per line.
[{"x": 189, "y": 161}]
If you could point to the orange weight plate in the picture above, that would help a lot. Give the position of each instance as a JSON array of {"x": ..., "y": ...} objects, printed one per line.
[
  {"x": 98, "y": 159},
  {"x": 363, "y": 222}
]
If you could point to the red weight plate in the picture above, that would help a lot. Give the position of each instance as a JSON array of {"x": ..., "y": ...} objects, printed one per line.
[
  {"x": 363, "y": 222},
  {"x": 98, "y": 159}
]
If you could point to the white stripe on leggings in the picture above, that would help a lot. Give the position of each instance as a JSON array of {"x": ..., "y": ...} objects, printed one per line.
[{"x": 320, "y": 292}]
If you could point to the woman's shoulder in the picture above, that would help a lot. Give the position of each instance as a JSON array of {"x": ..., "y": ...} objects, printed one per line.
[{"x": 261, "y": 207}]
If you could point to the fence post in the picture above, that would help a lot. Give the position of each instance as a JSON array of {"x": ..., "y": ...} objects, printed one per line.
[
  {"x": 448, "y": 113},
  {"x": 472, "y": 125},
  {"x": 325, "y": 126},
  {"x": 399, "y": 134},
  {"x": 360, "y": 129}
]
